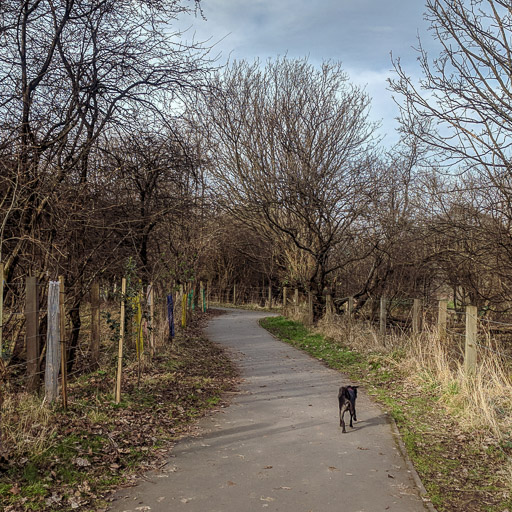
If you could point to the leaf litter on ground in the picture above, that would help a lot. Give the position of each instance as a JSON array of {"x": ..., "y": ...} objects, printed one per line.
[{"x": 98, "y": 446}]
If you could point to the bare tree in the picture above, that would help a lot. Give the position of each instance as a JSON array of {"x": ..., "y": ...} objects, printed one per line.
[
  {"x": 292, "y": 147},
  {"x": 69, "y": 72},
  {"x": 68, "y": 69},
  {"x": 461, "y": 111},
  {"x": 461, "y": 106}
]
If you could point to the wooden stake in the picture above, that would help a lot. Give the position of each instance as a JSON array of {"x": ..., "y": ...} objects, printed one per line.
[
  {"x": 32, "y": 333},
  {"x": 121, "y": 341},
  {"x": 296, "y": 301},
  {"x": 471, "y": 334},
  {"x": 285, "y": 299},
  {"x": 441, "y": 319},
  {"x": 63, "y": 344},
  {"x": 203, "y": 302},
  {"x": 95, "y": 325},
  {"x": 416, "y": 316},
  {"x": 152, "y": 319},
  {"x": 310, "y": 308},
  {"x": 184, "y": 310},
  {"x": 328, "y": 306},
  {"x": 1, "y": 309},
  {"x": 270, "y": 295},
  {"x": 383, "y": 314}
]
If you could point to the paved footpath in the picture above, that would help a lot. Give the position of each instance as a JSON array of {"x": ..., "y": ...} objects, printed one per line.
[{"x": 278, "y": 446}]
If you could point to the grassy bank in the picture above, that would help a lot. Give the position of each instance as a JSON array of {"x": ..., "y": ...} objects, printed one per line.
[
  {"x": 461, "y": 451},
  {"x": 71, "y": 460}
]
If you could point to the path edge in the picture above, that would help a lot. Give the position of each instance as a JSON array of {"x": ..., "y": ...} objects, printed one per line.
[{"x": 410, "y": 466}]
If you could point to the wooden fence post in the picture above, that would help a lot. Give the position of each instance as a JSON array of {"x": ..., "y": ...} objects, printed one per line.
[
  {"x": 151, "y": 300},
  {"x": 1, "y": 309},
  {"x": 471, "y": 334},
  {"x": 296, "y": 301},
  {"x": 201, "y": 291},
  {"x": 121, "y": 341},
  {"x": 285, "y": 299},
  {"x": 63, "y": 344},
  {"x": 270, "y": 295},
  {"x": 95, "y": 325},
  {"x": 350, "y": 307},
  {"x": 310, "y": 308},
  {"x": 328, "y": 306},
  {"x": 139, "y": 338},
  {"x": 184, "y": 310},
  {"x": 416, "y": 316},
  {"x": 441, "y": 319},
  {"x": 383, "y": 316},
  {"x": 32, "y": 333},
  {"x": 234, "y": 294}
]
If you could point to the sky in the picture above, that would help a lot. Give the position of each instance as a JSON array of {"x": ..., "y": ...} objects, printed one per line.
[{"x": 361, "y": 34}]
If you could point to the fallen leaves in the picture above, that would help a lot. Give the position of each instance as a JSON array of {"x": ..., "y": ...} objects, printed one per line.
[{"x": 99, "y": 445}]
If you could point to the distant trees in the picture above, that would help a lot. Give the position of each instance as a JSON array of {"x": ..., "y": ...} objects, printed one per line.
[{"x": 291, "y": 156}]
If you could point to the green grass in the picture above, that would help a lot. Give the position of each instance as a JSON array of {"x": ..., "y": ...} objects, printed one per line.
[{"x": 299, "y": 336}]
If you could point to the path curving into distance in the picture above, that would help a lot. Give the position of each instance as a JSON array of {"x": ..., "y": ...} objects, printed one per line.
[{"x": 278, "y": 446}]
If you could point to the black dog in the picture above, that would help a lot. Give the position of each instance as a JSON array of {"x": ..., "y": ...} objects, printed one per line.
[{"x": 347, "y": 401}]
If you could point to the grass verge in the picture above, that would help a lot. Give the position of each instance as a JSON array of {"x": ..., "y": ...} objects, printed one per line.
[{"x": 464, "y": 468}]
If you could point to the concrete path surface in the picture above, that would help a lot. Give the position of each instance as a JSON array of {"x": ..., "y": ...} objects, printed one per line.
[{"x": 278, "y": 446}]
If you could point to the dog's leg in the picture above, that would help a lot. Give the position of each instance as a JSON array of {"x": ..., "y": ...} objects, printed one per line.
[{"x": 342, "y": 422}]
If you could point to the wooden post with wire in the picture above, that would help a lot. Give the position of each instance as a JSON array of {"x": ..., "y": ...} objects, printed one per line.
[
  {"x": 63, "y": 344},
  {"x": 441, "y": 319},
  {"x": 328, "y": 306},
  {"x": 471, "y": 341},
  {"x": 2, "y": 271},
  {"x": 151, "y": 299},
  {"x": 270, "y": 295},
  {"x": 350, "y": 307},
  {"x": 285, "y": 300},
  {"x": 184, "y": 310},
  {"x": 121, "y": 341},
  {"x": 95, "y": 325},
  {"x": 310, "y": 308},
  {"x": 416, "y": 316},
  {"x": 32, "y": 333},
  {"x": 383, "y": 316}
]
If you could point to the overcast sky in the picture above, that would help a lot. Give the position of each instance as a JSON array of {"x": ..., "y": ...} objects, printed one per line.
[{"x": 359, "y": 33}]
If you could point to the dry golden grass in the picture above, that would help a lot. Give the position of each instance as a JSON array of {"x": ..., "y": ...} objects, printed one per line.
[
  {"x": 480, "y": 400},
  {"x": 27, "y": 425}
]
